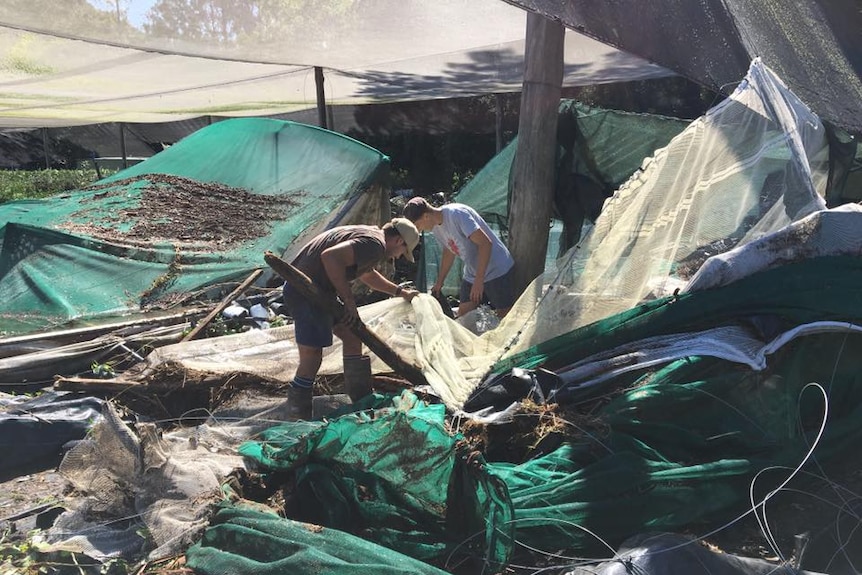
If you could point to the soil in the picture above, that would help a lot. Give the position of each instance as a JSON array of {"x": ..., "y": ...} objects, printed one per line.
[
  {"x": 30, "y": 491},
  {"x": 182, "y": 210}
]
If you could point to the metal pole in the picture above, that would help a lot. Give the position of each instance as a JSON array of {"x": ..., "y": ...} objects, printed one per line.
[
  {"x": 45, "y": 148},
  {"x": 498, "y": 125},
  {"x": 123, "y": 145}
]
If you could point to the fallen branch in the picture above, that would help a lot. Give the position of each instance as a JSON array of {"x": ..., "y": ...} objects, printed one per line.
[
  {"x": 308, "y": 290},
  {"x": 223, "y": 304},
  {"x": 123, "y": 385}
]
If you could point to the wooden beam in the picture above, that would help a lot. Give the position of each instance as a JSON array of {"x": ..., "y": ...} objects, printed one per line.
[
  {"x": 46, "y": 149},
  {"x": 121, "y": 385},
  {"x": 308, "y": 290},
  {"x": 223, "y": 304}
]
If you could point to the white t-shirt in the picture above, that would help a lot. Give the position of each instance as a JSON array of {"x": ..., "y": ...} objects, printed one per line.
[{"x": 459, "y": 222}]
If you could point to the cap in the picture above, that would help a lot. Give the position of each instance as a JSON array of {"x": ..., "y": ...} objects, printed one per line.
[
  {"x": 414, "y": 208},
  {"x": 409, "y": 233}
]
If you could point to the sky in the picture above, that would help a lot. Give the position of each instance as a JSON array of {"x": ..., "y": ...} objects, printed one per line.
[{"x": 135, "y": 9}]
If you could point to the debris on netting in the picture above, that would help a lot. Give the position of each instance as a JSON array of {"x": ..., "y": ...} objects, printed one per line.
[
  {"x": 140, "y": 490},
  {"x": 534, "y": 430},
  {"x": 479, "y": 320},
  {"x": 261, "y": 311},
  {"x": 379, "y": 475},
  {"x": 173, "y": 226}
]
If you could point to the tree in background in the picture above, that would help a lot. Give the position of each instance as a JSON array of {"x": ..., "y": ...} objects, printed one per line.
[
  {"x": 117, "y": 7},
  {"x": 231, "y": 22},
  {"x": 221, "y": 21},
  {"x": 77, "y": 15}
]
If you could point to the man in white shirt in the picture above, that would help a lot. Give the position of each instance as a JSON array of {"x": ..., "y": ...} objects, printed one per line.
[{"x": 462, "y": 232}]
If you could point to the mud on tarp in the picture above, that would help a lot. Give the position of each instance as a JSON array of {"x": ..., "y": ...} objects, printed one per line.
[{"x": 399, "y": 479}]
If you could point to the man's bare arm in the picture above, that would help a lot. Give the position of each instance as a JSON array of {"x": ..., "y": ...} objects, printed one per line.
[
  {"x": 336, "y": 260},
  {"x": 483, "y": 256}
]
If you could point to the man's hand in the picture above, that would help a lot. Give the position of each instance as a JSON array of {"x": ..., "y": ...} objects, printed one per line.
[
  {"x": 408, "y": 294},
  {"x": 477, "y": 291},
  {"x": 351, "y": 316},
  {"x": 437, "y": 288}
]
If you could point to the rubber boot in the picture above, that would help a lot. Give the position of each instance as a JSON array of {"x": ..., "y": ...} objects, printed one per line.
[
  {"x": 298, "y": 403},
  {"x": 357, "y": 377}
]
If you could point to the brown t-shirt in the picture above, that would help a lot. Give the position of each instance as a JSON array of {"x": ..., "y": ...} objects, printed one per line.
[{"x": 369, "y": 247}]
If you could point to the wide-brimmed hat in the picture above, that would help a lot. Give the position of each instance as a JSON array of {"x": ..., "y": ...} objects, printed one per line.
[{"x": 409, "y": 233}]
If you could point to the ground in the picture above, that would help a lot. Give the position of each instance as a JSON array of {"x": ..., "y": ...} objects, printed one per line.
[
  {"x": 826, "y": 512},
  {"x": 33, "y": 490}
]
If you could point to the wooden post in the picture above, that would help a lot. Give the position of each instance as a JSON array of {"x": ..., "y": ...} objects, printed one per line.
[
  {"x": 308, "y": 290},
  {"x": 321, "y": 97},
  {"x": 531, "y": 187}
]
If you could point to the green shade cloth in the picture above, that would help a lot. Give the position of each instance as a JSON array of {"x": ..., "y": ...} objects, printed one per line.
[
  {"x": 74, "y": 256},
  {"x": 674, "y": 447}
]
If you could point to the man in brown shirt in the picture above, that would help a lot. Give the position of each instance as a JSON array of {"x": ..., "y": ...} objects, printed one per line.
[{"x": 332, "y": 260}]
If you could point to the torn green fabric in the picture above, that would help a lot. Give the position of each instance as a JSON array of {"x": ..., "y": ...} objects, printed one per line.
[{"x": 396, "y": 476}]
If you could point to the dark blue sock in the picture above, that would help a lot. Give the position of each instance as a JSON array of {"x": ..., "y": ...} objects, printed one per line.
[{"x": 302, "y": 382}]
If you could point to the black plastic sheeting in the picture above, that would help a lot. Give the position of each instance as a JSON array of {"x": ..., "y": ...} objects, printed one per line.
[
  {"x": 33, "y": 432},
  {"x": 815, "y": 46}
]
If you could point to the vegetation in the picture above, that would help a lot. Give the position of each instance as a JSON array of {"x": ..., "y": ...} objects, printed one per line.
[
  {"x": 78, "y": 16},
  {"x": 232, "y": 22},
  {"x": 21, "y": 184}
]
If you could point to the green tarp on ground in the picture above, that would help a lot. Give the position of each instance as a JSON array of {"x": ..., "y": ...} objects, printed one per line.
[
  {"x": 247, "y": 540},
  {"x": 199, "y": 213},
  {"x": 677, "y": 446},
  {"x": 426, "y": 494}
]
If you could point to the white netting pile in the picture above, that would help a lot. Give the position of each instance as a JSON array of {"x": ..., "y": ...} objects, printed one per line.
[{"x": 131, "y": 482}]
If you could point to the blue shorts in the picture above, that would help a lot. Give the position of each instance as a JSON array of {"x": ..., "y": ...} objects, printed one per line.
[
  {"x": 498, "y": 291},
  {"x": 312, "y": 325}
]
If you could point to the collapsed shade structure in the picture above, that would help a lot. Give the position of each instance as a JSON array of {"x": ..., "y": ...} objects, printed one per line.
[{"x": 199, "y": 213}]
